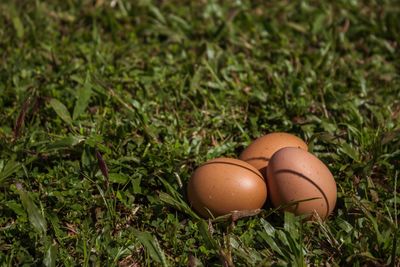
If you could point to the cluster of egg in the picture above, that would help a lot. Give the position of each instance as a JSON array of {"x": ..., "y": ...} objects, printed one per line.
[{"x": 276, "y": 165}]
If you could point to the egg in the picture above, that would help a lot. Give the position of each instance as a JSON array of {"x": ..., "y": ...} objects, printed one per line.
[
  {"x": 259, "y": 152},
  {"x": 294, "y": 174},
  {"x": 223, "y": 185}
]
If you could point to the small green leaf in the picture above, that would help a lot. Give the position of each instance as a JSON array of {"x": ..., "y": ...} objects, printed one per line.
[
  {"x": 67, "y": 142},
  {"x": 10, "y": 168},
  {"x": 82, "y": 100},
  {"x": 350, "y": 151},
  {"x": 210, "y": 242},
  {"x": 18, "y": 26},
  {"x": 118, "y": 178},
  {"x": 290, "y": 225},
  {"x": 297, "y": 27},
  {"x": 51, "y": 255},
  {"x": 174, "y": 199},
  {"x": 270, "y": 236},
  {"x": 157, "y": 13},
  {"x": 178, "y": 204},
  {"x": 61, "y": 110},
  {"x": 35, "y": 216},
  {"x": 152, "y": 247},
  {"x": 318, "y": 24},
  {"x": 16, "y": 207},
  {"x": 268, "y": 228},
  {"x": 344, "y": 225},
  {"x": 137, "y": 189},
  {"x": 56, "y": 228}
]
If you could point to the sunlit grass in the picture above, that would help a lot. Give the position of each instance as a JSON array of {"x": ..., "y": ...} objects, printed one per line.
[{"x": 108, "y": 106}]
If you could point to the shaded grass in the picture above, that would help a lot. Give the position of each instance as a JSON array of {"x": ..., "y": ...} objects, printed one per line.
[{"x": 108, "y": 108}]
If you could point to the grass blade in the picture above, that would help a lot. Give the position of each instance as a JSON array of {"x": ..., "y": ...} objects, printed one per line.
[
  {"x": 152, "y": 247},
  {"x": 350, "y": 151},
  {"x": 10, "y": 168},
  {"x": 51, "y": 255},
  {"x": 177, "y": 204},
  {"x": 205, "y": 233},
  {"x": 270, "y": 235},
  {"x": 61, "y": 110},
  {"x": 67, "y": 142},
  {"x": 35, "y": 216},
  {"x": 82, "y": 99},
  {"x": 174, "y": 199},
  {"x": 17, "y": 23},
  {"x": 118, "y": 178}
]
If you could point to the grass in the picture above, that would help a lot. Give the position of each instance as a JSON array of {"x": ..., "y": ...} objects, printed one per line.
[{"x": 107, "y": 107}]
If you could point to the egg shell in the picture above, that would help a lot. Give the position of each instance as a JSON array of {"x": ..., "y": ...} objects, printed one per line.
[
  {"x": 294, "y": 174},
  {"x": 260, "y": 151},
  {"x": 223, "y": 185}
]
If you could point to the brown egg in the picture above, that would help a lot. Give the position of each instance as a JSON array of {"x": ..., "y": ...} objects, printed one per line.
[
  {"x": 224, "y": 185},
  {"x": 295, "y": 174},
  {"x": 259, "y": 152}
]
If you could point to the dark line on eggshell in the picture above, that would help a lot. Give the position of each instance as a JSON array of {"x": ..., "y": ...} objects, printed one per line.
[
  {"x": 230, "y": 163},
  {"x": 311, "y": 181}
]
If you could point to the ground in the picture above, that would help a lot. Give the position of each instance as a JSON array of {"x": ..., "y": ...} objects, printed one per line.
[{"x": 107, "y": 107}]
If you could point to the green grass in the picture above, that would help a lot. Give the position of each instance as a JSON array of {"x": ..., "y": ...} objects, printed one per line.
[{"x": 107, "y": 107}]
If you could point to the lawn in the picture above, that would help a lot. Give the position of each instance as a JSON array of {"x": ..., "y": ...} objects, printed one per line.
[{"x": 107, "y": 108}]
